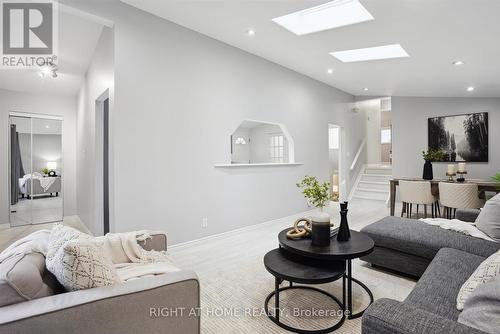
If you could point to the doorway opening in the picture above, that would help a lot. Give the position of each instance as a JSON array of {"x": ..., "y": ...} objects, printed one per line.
[
  {"x": 386, "y": 131},
  {"x": 102, "y": 160},
  {"x": 336, "y": 175}
]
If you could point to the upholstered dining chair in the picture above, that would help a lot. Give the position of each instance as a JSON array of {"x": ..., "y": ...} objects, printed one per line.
[
  {"x": 419, "y": 193},
  {"x": 455, "y": 196}
]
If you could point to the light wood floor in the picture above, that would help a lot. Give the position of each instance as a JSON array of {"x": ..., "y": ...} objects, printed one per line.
[{"x": 10, "y": 234}]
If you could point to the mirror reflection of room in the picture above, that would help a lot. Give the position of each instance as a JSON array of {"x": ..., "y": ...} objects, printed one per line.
[
  {"x": 258, "y": 142},
  {"x": 334, "y": 158},
  {"x": 36, "y": 170}
]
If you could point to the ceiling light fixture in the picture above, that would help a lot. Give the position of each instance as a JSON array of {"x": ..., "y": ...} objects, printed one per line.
[
  {"x": 329, "y": 71},
  {"x": 374, "y": 53},
  {"x": 251, "y": 32},
  {"x": 365, "y": 89},
  {"x": 333, "y": 14},
  {"x": 458, "y": 63},
  {"x": 49, "y": 69},
  {"x": 470, "y": 89}
]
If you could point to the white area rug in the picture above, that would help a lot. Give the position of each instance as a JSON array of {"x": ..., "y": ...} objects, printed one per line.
[{"x": 234, "y": 282}]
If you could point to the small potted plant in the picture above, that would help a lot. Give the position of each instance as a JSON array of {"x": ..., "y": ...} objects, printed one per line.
[
  {"x": 45, "y": 171},
  {"x": 430, "y": 156},
  {"x": 496, "y": 178},
  {"x": 318, "y": 195}
]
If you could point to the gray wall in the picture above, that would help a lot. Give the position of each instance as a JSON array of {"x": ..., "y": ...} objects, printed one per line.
[
  {"x": 42, "y": 104},
  {"x": 409, "y": 121},
  {"x": 178, "y": 97},
  {"x": 98, "y": 79}
]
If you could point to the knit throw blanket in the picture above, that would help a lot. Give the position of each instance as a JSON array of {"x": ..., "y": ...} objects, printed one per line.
[
  {"x": 131, "y": 261},
  {"x": 457, "y": 226}
]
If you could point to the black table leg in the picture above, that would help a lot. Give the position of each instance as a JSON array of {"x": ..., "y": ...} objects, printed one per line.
[
  {"x": 277, "y": 299},
  {"x": 343, "y": 291},
  {"x": 276, "y": 320},
  {"x": 350, "y": 279},
  {"x": 349, "y": 288}
]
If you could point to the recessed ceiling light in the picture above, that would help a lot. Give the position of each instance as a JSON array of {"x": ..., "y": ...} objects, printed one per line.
[
  {"x": 251, "y": 32},
  {"x": 365, "y": 89},
  {"x": 329, "y": 71},
  {"x": 333, "y": 14},
  {"x": 458, "y": 62},
  {"x": 375, "y": 53},
  {"x": 470, "y": 89},
  {"x": 46, "y": 126}
]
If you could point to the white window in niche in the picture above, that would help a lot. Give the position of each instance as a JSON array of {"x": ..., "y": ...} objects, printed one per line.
[
  {"x": 385, "y": 136},
  {"x": 276, "y": 148}
]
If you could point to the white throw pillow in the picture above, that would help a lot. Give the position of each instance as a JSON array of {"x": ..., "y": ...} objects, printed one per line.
[
  {"x": 76, "y": 269},
  {"x": 85, "y": 265},
  {"x": 488, "y": 220},
  {"x": 59, "y": 235},
  {"x": 488, "y": 270}
]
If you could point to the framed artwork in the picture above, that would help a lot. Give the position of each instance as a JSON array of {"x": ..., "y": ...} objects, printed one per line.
[{"x": 462, "y": 138}]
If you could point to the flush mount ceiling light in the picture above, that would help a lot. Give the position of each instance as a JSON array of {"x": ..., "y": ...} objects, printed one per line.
[
  {"x": 49, "y": 69},
  {"x": 333, "y": 14},
  {"x": 240, "y": 141},
  {"x": 470, "y": 89},
  {"x": 251, "y": 32},
  {"x": 365, "y": 89},
  {"x": 458, "y": 63},
  {"x": 375, "y": 53},
  {"x": 329, "y": 71}
]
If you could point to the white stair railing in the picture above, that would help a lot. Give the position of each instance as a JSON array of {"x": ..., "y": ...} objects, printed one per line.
[{"x": 358, "y": 153}]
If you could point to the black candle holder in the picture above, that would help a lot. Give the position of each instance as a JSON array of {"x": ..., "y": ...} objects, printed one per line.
[
  {"x": 344, "y": 232},
  {"x": 461, "y": 179}
]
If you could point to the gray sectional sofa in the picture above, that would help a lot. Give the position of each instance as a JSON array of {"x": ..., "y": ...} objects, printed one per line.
[
  {"x": 442, "y": 259},
  {"x": 138, "y": 306}
]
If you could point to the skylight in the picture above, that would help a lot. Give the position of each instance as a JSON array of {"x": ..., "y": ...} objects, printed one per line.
[
  {"x": 375, "y": 53},
  {"x": 333, "y": 14}
]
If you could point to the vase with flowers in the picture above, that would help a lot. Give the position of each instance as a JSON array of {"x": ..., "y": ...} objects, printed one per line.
[
  {"x": 430, "y": 156},
  {"x": 318, "y": 194}
]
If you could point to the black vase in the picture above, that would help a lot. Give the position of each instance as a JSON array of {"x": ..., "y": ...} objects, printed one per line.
[
  {"x": 320, "y": 234},
  {"x": 344, "y": 234},
  {"x": 428, "y": 175}
]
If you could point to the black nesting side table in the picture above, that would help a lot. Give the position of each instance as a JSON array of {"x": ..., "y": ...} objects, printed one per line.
[
  {"x": 286, "y": 266},
  {"x": 357, "y": 246}
]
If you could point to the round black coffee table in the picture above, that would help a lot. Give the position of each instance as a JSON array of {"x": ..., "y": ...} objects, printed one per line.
[
  {"x": 294, "y": 268},
  {"x": 357, "y": 246}
]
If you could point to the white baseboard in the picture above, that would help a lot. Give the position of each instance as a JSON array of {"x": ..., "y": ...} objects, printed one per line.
[{"x": 239, "y": 230}]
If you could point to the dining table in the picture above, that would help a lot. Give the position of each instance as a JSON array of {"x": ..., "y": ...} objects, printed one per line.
[{"x": 483, "y": 185}]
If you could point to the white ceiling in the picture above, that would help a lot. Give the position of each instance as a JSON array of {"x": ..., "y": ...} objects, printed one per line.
[
  {"x": 77, "y": 41},
  {"x": 433, "y": 32}
]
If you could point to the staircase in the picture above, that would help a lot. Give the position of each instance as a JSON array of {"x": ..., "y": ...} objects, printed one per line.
[{"x": 373, "y": 183}]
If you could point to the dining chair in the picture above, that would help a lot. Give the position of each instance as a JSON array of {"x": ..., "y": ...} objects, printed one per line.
[
  {"x": 455, "y": 196},
  {"x": 419, "y": 193}
]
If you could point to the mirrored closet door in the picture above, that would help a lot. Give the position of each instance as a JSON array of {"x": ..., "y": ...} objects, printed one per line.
[{"x": 36, "y": 173}]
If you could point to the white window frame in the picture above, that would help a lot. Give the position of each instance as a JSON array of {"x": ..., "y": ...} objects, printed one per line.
[
  {"x": 381, "y": 136},
  {"x": 277, "y": 148}
]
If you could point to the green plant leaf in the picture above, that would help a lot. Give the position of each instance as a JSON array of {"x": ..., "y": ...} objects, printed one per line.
[{"x": 318, "y": 194}]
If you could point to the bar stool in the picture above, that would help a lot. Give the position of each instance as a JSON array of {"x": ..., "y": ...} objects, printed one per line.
[
  {"x": 455, "y": 196},
  {"x": 419, "y": 193}
]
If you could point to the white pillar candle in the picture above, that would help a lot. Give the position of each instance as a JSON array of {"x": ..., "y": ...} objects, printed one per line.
[
  {"x": 461, "y": 166},
  {"x": 451, "y": 169}
]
